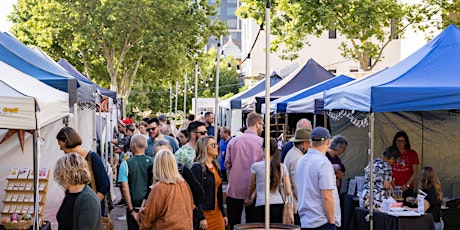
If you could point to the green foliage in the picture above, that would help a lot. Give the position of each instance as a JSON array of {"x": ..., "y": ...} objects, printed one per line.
[
  {"x": 450, "y": 12},
  {"x": 154, "y": 95},
  {"x": 113, "y": 42},
  {"x": 365, "y": 23}
]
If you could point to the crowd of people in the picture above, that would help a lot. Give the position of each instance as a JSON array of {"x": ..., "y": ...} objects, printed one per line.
[{"x": 174, "y": 179}]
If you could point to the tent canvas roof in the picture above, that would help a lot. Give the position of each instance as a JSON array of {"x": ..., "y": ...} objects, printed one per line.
[
  {"x": 280, "y": 105},
  {"x": 67, "y": 66},
  {"x": 86, "y": 91},
  {"x": 22, "y": 95},
  {"x": 426, "y": 80},
  {"x": 235, "y": 101},
  {"x": 308, "y": 74},
  {"x": 16, "y": 54}
]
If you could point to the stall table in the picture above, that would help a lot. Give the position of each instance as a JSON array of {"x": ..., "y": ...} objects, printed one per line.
[{"x": 383, "y": 221}]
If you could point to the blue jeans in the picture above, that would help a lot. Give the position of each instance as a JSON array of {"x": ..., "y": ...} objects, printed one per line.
[{"x": 326, "y": 226}]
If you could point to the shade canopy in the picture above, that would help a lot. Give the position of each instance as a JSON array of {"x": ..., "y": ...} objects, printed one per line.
[
  {"x": 16, "y": 54},
  {"x": 67, "y": 66},
  {"x": 307, "y": 75},
  {"x": 297, "y": 101},
  {"x": 26, "y": 103},
  {"x": 234, "y": 102},
  {"x": 426, "y": 80}
]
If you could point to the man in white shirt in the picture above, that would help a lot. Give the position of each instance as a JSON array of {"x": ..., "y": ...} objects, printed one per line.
[{"x": 319, "y": 204}]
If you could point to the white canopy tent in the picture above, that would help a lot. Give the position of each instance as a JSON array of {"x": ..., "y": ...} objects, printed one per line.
[{"x": 28, "y": 104}]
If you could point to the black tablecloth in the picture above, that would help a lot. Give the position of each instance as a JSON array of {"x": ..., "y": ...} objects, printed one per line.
[
  {"x": 383, "y": 221},
  {"x": 348, "y": 203},
  {"x": 46, "y": 226}
]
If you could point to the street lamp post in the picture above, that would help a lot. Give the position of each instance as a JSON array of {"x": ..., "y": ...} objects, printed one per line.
[
  {"x": 216, "y": 108},
  {"x": 196, "y": 88},
  {"x": 177, "y": 94},
  {"x": 185, "y": 96}
]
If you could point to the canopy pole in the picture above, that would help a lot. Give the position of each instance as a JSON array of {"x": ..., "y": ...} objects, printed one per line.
[
  {"x": 371, "y": 171},
  {"x": 35, "y": 159},
  {"x": 267, "y": 115},
  {"x": 216, "y": 102}
]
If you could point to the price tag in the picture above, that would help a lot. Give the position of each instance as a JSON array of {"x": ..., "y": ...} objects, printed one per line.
[
  {"x": 421, "y": 203},
  {"x": 386, "y": 205}
]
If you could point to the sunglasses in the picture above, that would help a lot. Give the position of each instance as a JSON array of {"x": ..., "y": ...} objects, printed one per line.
[
  {"x": 148, "y": 129},
  {"x": 202, "y": 132},
  {"x": 214, "y": 145}
]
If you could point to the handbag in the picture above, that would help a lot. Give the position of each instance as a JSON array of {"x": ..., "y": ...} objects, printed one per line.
[
  {"x": 107, "y": 223},
  {"x": 288, "y": 209}
]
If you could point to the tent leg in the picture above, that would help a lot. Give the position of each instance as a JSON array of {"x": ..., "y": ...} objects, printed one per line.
[
  {"x": 371, "y": 170},
  {"x": 314, "y": 120},
  {"x": 325, "y": 119},
  {"x": 36, "y": 166}
]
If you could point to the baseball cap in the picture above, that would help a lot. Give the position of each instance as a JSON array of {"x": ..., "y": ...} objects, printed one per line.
[{"x": 320, "y": 134}]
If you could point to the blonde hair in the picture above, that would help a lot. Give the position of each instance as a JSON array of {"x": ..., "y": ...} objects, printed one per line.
[
  {"x": 165, "y": 168},
  {"x": 428, "y": 178},
  {"x": 72, "y": 169},
  {"x": 202, "y": 152}
]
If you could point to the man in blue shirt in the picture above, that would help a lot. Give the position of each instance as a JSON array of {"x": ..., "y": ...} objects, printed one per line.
[
  {"x": 153, "y": 129},
  {"x": 226, "y": 136},
  {"x": 209, "y": 122}
]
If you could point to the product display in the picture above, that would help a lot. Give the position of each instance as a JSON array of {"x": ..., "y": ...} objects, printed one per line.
[{"x": 18, "y": 203}]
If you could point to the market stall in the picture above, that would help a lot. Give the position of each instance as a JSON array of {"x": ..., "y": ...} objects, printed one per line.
[{"x": 30, "y": 116}]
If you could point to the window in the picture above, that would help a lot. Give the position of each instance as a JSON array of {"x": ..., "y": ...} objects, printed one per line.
[
  {"x": 231, "y": 11},
  {"x": 333, "y": 34},
  {"x": 232, "y": 23},
  {"x": 353, "y": 69}
]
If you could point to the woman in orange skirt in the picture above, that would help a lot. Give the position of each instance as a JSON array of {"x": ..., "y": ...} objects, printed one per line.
[{"x": 210, "y": 213}]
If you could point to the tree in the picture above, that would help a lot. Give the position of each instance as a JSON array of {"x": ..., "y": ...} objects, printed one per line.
[
  {"x": 450, "y": 12},
  {"x": 154, "y": 95},
  {"x": 369, "y": 26},
  {"x": 116, "y": 41}
]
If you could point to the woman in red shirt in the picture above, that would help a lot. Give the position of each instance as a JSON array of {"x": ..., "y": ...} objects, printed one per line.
[{"x": 405, "y": 170}]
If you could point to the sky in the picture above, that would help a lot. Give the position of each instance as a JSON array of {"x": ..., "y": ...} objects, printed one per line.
[{"x": 6, "y": 6}]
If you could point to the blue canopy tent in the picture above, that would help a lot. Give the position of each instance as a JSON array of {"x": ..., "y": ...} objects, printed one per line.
[
  {"x": 307, "y": 75},
  {"x": 16, "y": 54},
  {"x": 231, "y": 108},
  {"x": 67, "y": 66},
  {"x": 280, "y": 105},
  {"x": 235, "y": 102},
  {"x": 419, "y": 95}
]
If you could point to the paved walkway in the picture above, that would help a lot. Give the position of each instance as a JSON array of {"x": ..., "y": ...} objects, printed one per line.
[{"x": 118, "y": 210}]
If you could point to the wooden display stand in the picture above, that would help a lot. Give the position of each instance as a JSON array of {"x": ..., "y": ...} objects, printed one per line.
[{"x": 19, "y": 192}]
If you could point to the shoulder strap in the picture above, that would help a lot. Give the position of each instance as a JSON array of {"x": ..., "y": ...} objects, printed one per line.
[
  {"x": 181, "y": 169},
  {"x": 90, "y": 166}
]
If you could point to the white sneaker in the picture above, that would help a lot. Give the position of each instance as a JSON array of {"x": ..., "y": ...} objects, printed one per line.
[{"x": 122, "y": 218}]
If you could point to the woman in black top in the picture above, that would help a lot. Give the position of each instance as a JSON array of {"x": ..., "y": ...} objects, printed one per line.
[
  {"x": 80, "y": 203},
  {"x": 429, "y": 183},
  {"x": 70, "y": 141}
]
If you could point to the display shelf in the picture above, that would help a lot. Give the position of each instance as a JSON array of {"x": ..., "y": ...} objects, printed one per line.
[{"x": 19, "y": 192}]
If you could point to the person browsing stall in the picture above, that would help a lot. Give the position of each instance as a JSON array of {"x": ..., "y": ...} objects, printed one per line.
[
  {"x": 319, "y": 204},
  {"x": 382, "y": 177}
]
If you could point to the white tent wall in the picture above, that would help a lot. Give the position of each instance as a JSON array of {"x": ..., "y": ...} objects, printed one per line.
[
  {"x": 12, "y": 156},
  {"x": 237, "y": 118},
  {"x": 86, "y": 127},
  {"x": 433, "y": 135}
]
